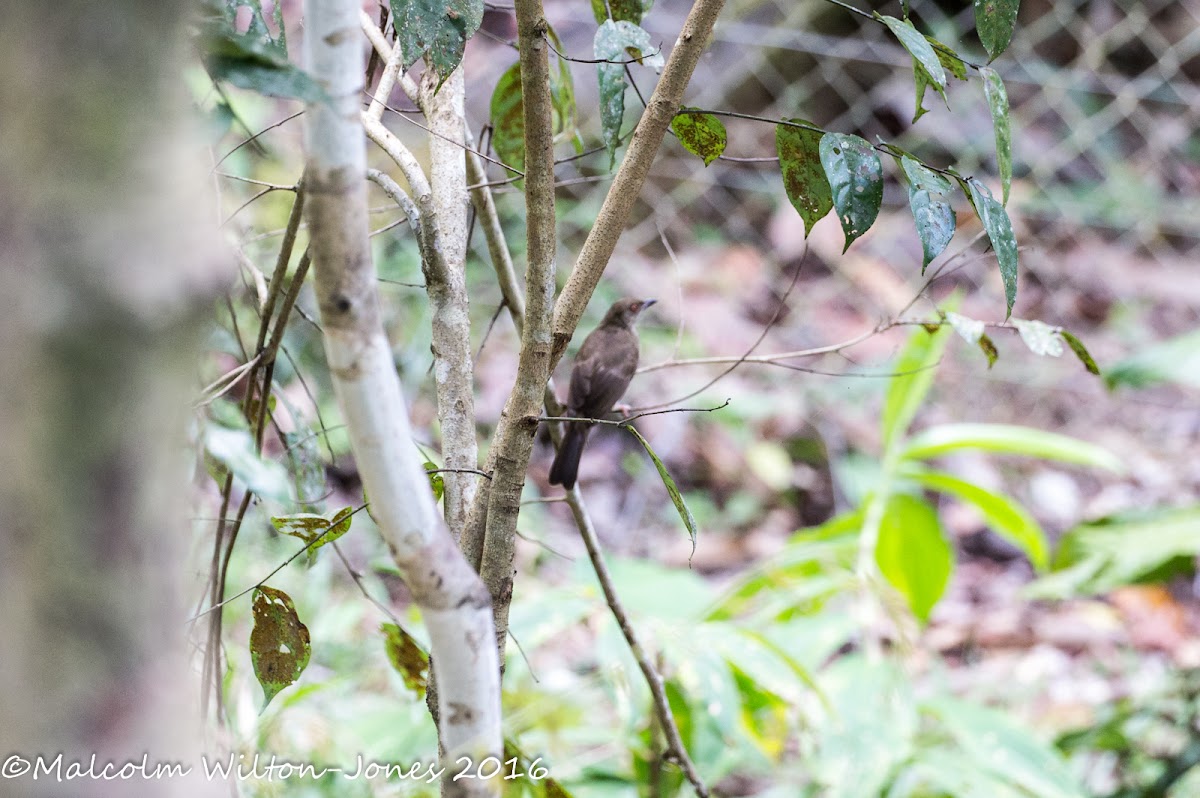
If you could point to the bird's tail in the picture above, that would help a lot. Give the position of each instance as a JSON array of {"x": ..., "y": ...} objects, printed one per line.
[{"x": 566, "y": 462}]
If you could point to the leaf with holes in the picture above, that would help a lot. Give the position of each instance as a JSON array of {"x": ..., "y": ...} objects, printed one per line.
[
  {"x": 1000, "y": 233},
  {"x": 995, "y": 21},
  {"x": 856, "y": 179},
  {"x": 407, "y": 657},
  {"x": 613, "y": 43},
  {"x": 997, "y": 100},
  {"x": 700, "y": 134},
  {"x": 436, "y": 28},
  {"x": 279, "y": 643},
  {"x": 314, "y": 530},
  {"x": 804, "y": 179},
  {"x": 933, "y": 215}
]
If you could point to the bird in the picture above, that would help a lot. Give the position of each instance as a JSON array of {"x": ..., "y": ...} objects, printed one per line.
[{"x": 603, "y": 368}]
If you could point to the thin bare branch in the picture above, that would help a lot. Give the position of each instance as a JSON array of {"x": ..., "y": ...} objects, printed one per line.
[{"x": 675, "y": 747}]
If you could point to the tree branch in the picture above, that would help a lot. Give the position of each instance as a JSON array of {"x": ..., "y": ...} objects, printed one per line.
[
  {"x": 654, "y": 680},
  {"x": 455, "y": 376},
  {"x": 490, "y": 539},
  {"x": 453, "y": 602},
  {"x": 627, "y": 186}
]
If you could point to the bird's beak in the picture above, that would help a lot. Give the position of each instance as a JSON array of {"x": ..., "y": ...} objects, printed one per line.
[{"x": 648, "y": 302}]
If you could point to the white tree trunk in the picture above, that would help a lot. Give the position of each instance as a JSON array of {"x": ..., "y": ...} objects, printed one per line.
[{"x": 453, "y": 601}]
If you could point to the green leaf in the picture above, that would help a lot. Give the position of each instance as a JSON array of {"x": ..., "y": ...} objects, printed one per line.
[
  {"x": 1080, "y": 351},
  {"x": 315, "y": 530},
  {"x": 914, "y": 375},
  {"x": 804, "y": 178},
  {"x": 921, "y": 82},
  {"x": 436, "y": 28},
  {"x": 988, "y": 347},
  {"x": 1009, "y": 439},
  {"x": 508, "y": 119},
  {"x": 253, "y": 60},
  {"x": 1102, "y": 556},
  {"x": 871, "y": 731},
  {"x": 613, "y": 39},
  {"x": 951, "y": 61},
  {"x": 996, "y": 743},
  {"x": 926, "y": 64},
  {"x": 700, "y": 134},
  {"x": 913, "y": 554},
  {"x": 269, "y": 79},
  {"x": 339, "y": 525},
  {"x": 672, "y": 489},
  {"x": 565, "y": 122},
  {"x": 407, "y": 657},
  {"x": 235, "y": 449},
  {"x": 997, "y": 100},
  {"x": 1175, "y": 360},
  {"x": 628, "y": 10},
  {"x": 995, "y": 20},
  {"x": 279, "y": 642},
  {"x": 436, "y": 482},
  {"x": 1040, "y": 337},
  {"x": 933, "y": 215},
  {"x": 1000, "y": 233},
  {"x": 507, "y": 110},
  {"x": 1009, "y": 519},
  {"x": 856, "y": 179}
]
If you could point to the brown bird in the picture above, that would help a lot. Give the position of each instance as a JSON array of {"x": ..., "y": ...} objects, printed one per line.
[{"x": 603, "y": 368}]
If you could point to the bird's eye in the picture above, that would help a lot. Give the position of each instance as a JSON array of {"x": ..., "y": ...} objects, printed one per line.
[{"x": 635, "y": 307}]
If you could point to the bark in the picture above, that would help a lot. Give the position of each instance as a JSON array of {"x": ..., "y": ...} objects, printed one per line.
[
  {"x": 454, "y": 603},
  {"x": 492, "y": 525},
  {"x": 454, "y": 373}
]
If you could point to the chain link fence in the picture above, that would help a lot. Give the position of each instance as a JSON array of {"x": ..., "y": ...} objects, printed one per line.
[{"x": 1104, "y": 100}]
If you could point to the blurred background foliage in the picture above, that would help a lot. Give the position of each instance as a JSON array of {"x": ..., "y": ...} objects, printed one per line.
[{"x": 1036, "y": 634}]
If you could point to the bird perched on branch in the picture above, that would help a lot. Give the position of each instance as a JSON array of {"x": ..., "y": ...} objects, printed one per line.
[{"x": 603, "y": 368}]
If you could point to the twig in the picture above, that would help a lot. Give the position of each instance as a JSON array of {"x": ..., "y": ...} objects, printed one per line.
[
  {"x": 566, "y": 57},
  {"x": 489, "y": 537},
  {"x": 625, "y": 422},
  {"x": 654, "y": 680},
  {"x": 766, "y": 329},
  {"x": 263, "y": 581},
  {"x": 255, "y": 136},
  {"x": 631, "y": 176},
  {"x": 771, "y": 359}
]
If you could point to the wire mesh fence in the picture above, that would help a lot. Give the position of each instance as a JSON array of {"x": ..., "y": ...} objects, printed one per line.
[{"x": 1104, "y": 103}]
